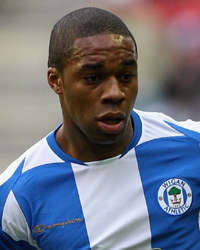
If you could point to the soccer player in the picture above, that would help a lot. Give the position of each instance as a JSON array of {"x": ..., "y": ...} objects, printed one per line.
[{"x": 109, "y": 177}]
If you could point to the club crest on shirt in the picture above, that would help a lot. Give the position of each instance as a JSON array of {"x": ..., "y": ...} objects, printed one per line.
[{"x": 175, "y": 196}]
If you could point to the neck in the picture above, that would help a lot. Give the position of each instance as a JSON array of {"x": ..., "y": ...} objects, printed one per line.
[{"x": 78, "y": 146}]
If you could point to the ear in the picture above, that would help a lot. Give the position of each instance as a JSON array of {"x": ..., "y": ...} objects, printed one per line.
[{"x": 54, "y": 80}]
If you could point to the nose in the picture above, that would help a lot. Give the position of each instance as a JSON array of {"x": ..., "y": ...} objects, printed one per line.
[{"x": 112, "y": 92}]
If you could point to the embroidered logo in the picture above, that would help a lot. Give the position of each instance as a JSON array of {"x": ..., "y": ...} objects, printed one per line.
[
  {"x": 175, "y": 196},
  {"x": 41, "y": 228}
]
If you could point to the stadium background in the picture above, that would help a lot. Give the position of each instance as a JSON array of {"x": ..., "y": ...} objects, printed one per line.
[{"x": 168, "y": 38}]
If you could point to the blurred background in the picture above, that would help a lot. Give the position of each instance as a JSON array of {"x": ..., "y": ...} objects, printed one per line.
[{"x": 168, "y": 38}]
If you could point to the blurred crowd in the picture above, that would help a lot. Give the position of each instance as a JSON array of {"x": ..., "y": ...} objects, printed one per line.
[
  {"x": 173, "y": 56},
  {"x": 168, "y": 38}
]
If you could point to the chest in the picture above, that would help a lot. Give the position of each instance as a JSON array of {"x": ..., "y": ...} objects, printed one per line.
[{"x": 141, "y": 201}]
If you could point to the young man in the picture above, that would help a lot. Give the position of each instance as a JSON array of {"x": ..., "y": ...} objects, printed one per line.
[{"x": 108, "y": 177}]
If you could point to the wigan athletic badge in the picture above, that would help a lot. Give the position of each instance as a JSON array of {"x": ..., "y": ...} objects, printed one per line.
[{"x": 175, "y": 196}]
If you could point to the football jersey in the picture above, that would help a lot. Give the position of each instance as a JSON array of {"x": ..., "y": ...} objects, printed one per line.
[{"x": 146, "y": 198}]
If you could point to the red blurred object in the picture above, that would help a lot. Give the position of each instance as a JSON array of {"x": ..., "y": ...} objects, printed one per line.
[{"x": 169, "y": 9}]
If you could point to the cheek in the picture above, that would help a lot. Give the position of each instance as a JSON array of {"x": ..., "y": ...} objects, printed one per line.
[
  {"x": 135, "y": 92},
  {"x": 132, "y": 92},
  {"x": 81, "y": 106}
]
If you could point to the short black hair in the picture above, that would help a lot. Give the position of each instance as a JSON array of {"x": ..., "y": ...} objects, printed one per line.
[{"x": 81, "y": 23}]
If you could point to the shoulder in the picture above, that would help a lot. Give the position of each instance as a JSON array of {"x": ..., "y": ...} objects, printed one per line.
[
  {"x": 14, "y": 211},
  {"x": 38, "y": 155},
  {"x": 157, "y": 125},
  {"x": 20, "y": 173}
]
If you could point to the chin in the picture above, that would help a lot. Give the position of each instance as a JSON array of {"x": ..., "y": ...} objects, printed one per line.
[{"x": 107, "y": 139}]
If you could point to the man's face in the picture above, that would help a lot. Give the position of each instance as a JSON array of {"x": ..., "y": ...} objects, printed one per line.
[{"x": 100, "y": 87}]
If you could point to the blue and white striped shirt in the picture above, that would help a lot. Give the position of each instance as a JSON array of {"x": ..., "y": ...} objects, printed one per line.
[{"x": 146, "y": 198}]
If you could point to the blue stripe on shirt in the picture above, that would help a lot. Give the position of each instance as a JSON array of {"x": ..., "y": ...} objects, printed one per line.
[
  {"x": 158, "y": 161},
  {"x": 49, "y": 199}
]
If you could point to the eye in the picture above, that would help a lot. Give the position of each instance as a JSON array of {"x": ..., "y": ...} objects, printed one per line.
[
  {"x": 93, "y": 79},
  {"x": 126, "y": 77}
]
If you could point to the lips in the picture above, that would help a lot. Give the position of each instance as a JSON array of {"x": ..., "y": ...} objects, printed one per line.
[
  {"x": 111, "y": 116},
  {"x": 111, "y": 123}
]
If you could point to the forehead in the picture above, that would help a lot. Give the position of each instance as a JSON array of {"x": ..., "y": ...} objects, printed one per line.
[{"x": 103, "y": 47}]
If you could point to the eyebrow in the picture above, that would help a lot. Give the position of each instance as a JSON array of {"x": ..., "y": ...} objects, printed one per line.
[
  {"x": 92, "y": 66},
  {"x": 95, "y": 66},
  {"x": 128, "y": 62}
]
